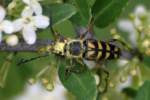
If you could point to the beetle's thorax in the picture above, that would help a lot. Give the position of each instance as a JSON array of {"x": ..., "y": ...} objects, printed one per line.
[
  {"x": 58, "y": 48},
  {"x": 74, "y": 49}
]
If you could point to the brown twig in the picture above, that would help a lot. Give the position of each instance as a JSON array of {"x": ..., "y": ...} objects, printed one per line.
[{"x": 23, "y": 47}]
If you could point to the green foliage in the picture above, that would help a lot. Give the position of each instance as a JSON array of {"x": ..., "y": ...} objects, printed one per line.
[
  {"x": 146, "y": 61},
  {"x": 82, "y": 84},
  {"x": 106, "y": 11},
  {"x": 14, "y": 77},
  {"x": 130, "y": 92},
  {"x": 83, "y": 14},
  {"x": 59, "y": 12},
  {"x": 144, "y": 92},
  {"x": 84, "y": 11}
]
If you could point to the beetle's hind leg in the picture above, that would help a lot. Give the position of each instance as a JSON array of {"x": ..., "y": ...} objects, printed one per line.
[
  {"x": 103, "y": 77},
  {"x": 102, "y": 88}
]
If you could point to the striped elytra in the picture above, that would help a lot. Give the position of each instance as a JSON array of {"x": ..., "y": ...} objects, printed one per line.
[{"x": 100, "y": 50}]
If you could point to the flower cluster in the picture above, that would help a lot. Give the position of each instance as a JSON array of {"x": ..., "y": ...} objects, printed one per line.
[
  {"x": 30, "y": 20},
  {"x": 138, "y": 28}
]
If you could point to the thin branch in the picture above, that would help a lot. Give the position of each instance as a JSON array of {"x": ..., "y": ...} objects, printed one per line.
[
  {"x": 23, "y": 47},
  {"x": 2, "y": 2}
]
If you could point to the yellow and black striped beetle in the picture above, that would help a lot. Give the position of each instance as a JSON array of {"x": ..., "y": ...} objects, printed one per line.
[
  {"x": 88, "y": 49},
  {"x": 81, "y": 49}
]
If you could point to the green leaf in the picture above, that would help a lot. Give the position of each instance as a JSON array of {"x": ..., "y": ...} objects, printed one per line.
[
  {"x": 47, "y": 2},
  {"x": 59, "y": 12},
  {"x": 15, "y": 79},
  {"x": 83, "y": 8},
  {"x": 91, "y": 2},
  {"x": 83, "y": 15},
  {"x": 144, "y": 92},
  {"x": 130, "y": 92},
  {"x": 146, "y": 61},
  {"x": 77, "y": 20},
  {"x": 82, "y": 85},
  {"x": 106, "y": 11}
]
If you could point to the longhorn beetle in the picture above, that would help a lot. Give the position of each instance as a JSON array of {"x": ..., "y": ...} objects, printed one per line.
[{"x": 81, "y": 49}]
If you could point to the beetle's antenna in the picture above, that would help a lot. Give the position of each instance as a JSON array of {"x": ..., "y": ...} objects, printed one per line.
[
  {"x": 22, "y": 61},
  {"x": 89, "y": 33},
  {"x": 91, "y": 24}
]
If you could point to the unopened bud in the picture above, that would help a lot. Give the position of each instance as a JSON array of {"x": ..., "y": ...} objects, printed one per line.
[
  {"x": 12, "y": 40},
  {"x": 49, "y": 86},
  {"x": 111, "y": 85},
  {"x": 32, "y": 81},
  {"x": 133, "y": 72},
  {"x": 147, "y": 52},
  {"x": 123, "y": 79},
  {"x": 113, "y": 31},
  {"x": 45, "y": 81},
  {"x": 131, "y": 16},
  {"x": 146, "y": 43},
  {"x": 140, "y": 11}
]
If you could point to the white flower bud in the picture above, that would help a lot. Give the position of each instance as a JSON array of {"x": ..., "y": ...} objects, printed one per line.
[
  {"x": 146, "y": 43},
  {"x": 133, "y": 72},
  {"x": 12, "y": 40},
  {"x": 126, "y": 26},
  {"x": 140, "y": 11}
]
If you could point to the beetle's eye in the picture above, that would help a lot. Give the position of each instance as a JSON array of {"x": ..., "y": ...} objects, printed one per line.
[{"x": 75, "y": 48}]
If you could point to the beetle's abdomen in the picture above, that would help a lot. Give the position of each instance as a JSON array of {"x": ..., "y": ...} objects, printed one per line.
[{"x": 100, "y": 50}]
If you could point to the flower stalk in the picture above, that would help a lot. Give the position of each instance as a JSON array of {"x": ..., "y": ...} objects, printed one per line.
[{"x": 5, "y": 69}]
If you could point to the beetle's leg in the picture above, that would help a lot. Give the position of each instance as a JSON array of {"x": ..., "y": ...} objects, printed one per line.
[
  {"x": 68, "y": 70},
  {"x": 106, "y": 79},
  {"x": 75, "y": 68},
  {"x": 100, "y": 85}
]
